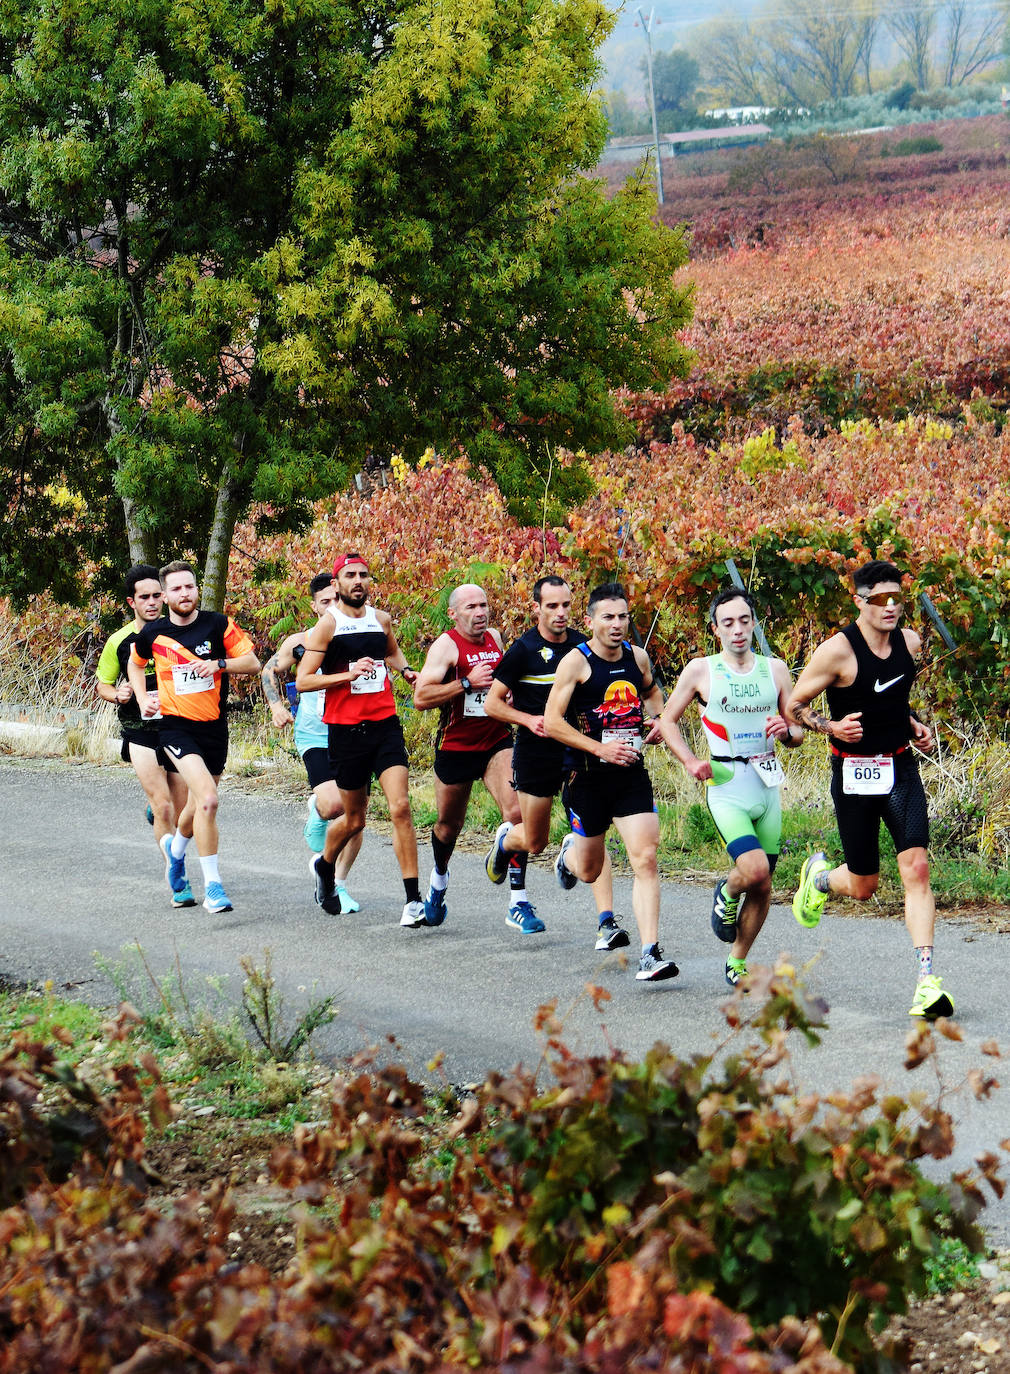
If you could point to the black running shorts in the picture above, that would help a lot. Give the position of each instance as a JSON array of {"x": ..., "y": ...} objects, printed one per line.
[
  {"x": 145, "y": 739},
  {"x": 318, "y": 767},
  {"x": 538, "y": 766},
  {"x": 594, "y": 798},
  {"x": 207, "y": 738},
  {"x": 903, "y": 811},
  {"x": 454, "y": 766},
  {"x": 359, "y": 753}
]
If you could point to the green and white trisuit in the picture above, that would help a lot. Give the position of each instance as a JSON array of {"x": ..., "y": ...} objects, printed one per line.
[{"x": 743, "y": 794}]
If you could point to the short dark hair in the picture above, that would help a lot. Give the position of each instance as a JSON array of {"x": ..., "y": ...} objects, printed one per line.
[
  {"x": 320, "y": 582},
  {"x": 552, "y": 580},
  {"x": 140, "y": 572},
  {"x": 606, "y": 591},
  {"x": 177, "y": 566},
  {"x": 730, "y": 594},
  {"x": 870, "y": 574}
]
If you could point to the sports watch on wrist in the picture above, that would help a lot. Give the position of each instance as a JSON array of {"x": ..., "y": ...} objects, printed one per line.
[
  {"x": 464, "y": 682},
  {"x": 222, "y": 663}
]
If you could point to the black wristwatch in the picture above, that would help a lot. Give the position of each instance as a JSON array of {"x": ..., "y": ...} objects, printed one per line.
[
  {"x": 222, "y": 663},
  {"x": 464, "y": 682}
]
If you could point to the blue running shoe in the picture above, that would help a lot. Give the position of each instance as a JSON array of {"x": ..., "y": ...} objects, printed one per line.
[
  {"x": 314, "y": 829},
  {"x": 216, "y": 899},
  {"x": 523, "y": 917},
  {"x": 434, "y": 907},
  {"x": 184, "y": 897},
  {"x": 175, "y": 870},
  {"x": 348, "y": 906}
]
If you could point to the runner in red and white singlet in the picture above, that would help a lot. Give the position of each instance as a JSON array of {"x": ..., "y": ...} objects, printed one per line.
[{"x": 456, "y": 678}]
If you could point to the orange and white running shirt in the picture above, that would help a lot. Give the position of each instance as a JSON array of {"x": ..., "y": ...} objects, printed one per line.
[{"x": 176, "y": 648}]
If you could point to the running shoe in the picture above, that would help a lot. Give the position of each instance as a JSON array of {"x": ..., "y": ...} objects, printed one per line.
[
  {"x": 348, "y": 905},
  {"x": 314, "y": 829},
  {"x": 724, "y": 913},
  {"x": 184, "y": 897},
  {"x": 652, "y": 967},
  {"x": 413, "y": 915},
  {"x": 566, "y": 879},
  {"x": 175, "y": 869},
  {"x": 216, "y": 899},
  {"x": 611, "y": 936},
  {"x": 149, "y": 814},
  {"x": 434, "y": 903},
  {"x": 523, "y": 917},
  {"x": 809, "y": 900},
  {"x": 495, "y": 863},
  {"x": 736, "y": 971},
  {"x": 326, "y": 893},
  {"x": 930, "y": 1000}
]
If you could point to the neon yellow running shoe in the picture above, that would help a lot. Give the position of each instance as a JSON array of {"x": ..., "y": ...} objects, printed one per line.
[
  {"x": 930, "y": 1000},
  {"x": 809, "y": 901}
]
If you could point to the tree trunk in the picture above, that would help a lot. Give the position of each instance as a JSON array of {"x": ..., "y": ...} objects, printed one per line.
[
  {"x": 226, "y": 513},
  {"x": 142, "y": 541}
]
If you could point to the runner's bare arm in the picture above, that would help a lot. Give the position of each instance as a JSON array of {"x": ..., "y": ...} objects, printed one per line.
[
  {"x": 827, "y": 664},
  {"x": 430, "y": 687},
  {"x": 244, "y": 665},
  {"x": 317, "y": 641},
  {"x": 137, "y": 674},
  {"x": 279, "y": 663},
  {"x": 689, "y": 686},
  {"x": 572, "y": 670},
  {"x": 498, "y": 707},
  {"x": 780, "y": 727},
  {"x": 122, "y": 691}
]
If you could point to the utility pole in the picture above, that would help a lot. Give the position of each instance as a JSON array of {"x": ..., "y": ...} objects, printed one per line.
[{"x": 647, "y": 26}]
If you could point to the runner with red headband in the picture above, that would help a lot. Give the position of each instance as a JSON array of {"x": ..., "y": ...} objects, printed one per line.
[
  {"x": 348, "y": 654},
  {"x": 867, "y": 672}
]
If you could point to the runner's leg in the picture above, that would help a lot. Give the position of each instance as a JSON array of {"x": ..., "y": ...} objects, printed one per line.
[
  {"x": 154, "y": 780},
  {"x": 201, "y": 809},
  {"x": 640, "y": 834},
  {"x": 393, "y": 782},
  {"x": 330, "y": 807}
]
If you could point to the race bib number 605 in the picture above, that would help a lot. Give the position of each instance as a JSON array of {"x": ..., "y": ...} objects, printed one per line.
[{"x": 867, "y": 777}]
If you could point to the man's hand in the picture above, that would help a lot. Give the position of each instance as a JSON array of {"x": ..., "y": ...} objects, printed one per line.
[
  {"x": 150, "y": 706},
  {"x": 204, "y": 667},
  {"x": 481, "y": 676},
  {"x": 124, "y": 691},
  {"x": 849, "y": 729},
  {"x": 700, "y": 769},
  {"x": 777, "y": 727},
  {"x": 360, "y": 666},
  {"x": 922, "y": 737},
  {"x": 616, "y": 751},
  {"x": 280, "y": 715}
]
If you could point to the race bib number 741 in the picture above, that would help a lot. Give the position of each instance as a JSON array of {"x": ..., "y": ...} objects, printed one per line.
[{"x": 187, "y": 680}]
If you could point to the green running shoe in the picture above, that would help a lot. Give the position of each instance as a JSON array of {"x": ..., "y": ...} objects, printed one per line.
[
  {"x": 930, "y": 1000},
  {"x": 809, "y": 900},
  {"x": 736, "y": 971}
]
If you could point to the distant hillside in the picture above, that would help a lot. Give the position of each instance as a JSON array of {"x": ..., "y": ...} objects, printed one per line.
[{"x": 625, "y": 48}]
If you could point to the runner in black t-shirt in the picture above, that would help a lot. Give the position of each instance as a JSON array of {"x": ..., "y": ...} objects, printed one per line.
[
  {"x": 141, "y": 747},
  {"x": 518, "y": 696},
  {"x": 603, "y": 692},
  {"x": 867, "y": 672}
]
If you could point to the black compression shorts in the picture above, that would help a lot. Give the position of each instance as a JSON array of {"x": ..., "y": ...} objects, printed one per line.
[
  {"x": 538, "y": 766},
  {"x": 145, "y": 739},
  {"x": 318, "y": 767},
  {"x": 903, "y": 811},
  {"x": 206, "y": 738},
  {"x": 454, "y": 766}
]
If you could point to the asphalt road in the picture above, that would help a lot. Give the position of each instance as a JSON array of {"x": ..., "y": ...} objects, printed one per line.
[{"x": 81, "y": 874}]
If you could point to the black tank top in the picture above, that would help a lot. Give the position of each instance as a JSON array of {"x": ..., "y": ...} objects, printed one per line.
[
  {"x": 609, "y": 699},
  {"x": 880, "y": 691}
]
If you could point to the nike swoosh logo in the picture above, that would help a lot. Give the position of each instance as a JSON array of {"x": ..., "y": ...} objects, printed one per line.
[{"x": 879, "y": 686}]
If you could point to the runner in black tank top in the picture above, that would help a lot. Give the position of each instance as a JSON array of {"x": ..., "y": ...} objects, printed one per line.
[
  {"x": 866, "y": 672},
  {"x": 607, "y": 687}
]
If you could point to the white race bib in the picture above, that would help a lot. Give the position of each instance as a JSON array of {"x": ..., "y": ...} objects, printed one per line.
[
  {"x": 631, "y": 737},
  {"x": 473, "y": 704},
  {"x": 768, "y": 769},
  {"x": 187, "y": 680},
  {"x": 371, "y": 681},
  {"x": 867, "y": 777}
]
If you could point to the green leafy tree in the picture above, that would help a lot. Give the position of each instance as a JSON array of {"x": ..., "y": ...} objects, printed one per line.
[
  {"x": 242, "y": 246},
  {"x": 675, "y": 78}
]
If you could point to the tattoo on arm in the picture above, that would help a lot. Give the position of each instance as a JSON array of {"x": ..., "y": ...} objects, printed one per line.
[
  {"x": 813, "y": 720},
  {"x": 271, "y": 687}
]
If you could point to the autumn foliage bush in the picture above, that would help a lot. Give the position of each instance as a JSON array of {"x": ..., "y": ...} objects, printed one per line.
[{"x": 610, "y": 1220}]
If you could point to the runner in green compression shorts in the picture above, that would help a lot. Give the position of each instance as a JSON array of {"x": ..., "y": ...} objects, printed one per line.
[{"x": 742, "y": 697}]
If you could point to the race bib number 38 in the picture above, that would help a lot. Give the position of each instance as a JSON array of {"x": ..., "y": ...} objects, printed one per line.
[
  {"x": 186, "y": 680},
  {"x": 867, "y": 777},
  {"x": 370, "y": 681}
]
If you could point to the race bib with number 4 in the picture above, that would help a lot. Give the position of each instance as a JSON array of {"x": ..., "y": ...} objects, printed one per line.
[
  {"x": 473, "y": 704},
  {"x": 372, "y": 680},
  {"x": 187, "y": 680},
  {"x": 768, "y": 769},
  {"x": 867, "y": 777}
]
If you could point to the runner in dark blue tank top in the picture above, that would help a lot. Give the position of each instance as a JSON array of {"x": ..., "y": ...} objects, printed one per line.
[
  {"x": 867, "y": 672},
  {"x": 603, "y": 694}
]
